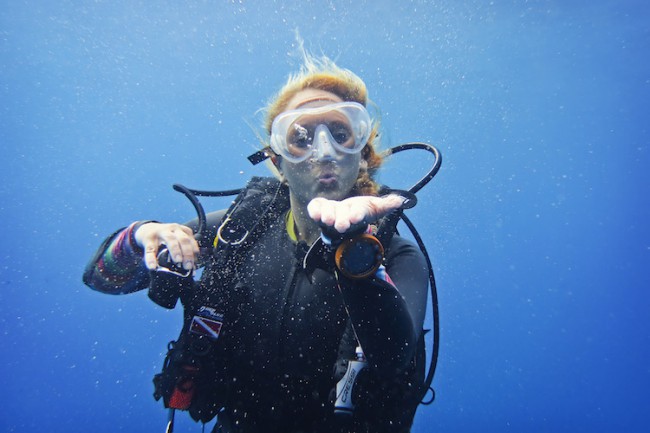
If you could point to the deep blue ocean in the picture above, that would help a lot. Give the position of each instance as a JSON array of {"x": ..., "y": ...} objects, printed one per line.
[{"x": 537, "y": 223}]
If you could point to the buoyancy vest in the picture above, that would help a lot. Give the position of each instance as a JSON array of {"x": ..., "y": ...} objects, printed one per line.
[{"x": 262, "y": 341}]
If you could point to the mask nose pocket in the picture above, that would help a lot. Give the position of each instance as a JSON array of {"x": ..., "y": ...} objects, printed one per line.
[{"x": 323, "y": 143}]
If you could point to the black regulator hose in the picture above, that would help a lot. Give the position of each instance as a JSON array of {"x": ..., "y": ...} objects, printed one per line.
[
  {"x": 423, "y": 146},
  {"x": 418, "y": 239},
  {"x": 191, "y": 195}
]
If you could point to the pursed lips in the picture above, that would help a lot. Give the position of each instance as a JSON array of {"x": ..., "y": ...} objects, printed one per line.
[{"x": 326, "y": 176}]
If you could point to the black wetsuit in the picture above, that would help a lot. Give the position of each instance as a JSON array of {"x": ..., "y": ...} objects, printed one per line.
[{"x": 287, "y": 336}]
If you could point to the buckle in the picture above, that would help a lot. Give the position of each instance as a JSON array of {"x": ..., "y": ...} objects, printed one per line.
[{"x": 235, "y": 232}]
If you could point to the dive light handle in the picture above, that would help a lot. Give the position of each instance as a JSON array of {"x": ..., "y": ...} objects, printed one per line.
[
  {"x": 168, "y": 281},
  {"x": 166, "y": 264}
]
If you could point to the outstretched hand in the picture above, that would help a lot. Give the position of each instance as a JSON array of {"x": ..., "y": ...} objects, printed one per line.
[
  {"x": 354, "y": 210},
  {"x": 179, "y": 240}
]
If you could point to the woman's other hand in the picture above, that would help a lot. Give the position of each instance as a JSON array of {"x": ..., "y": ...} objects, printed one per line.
[
  {"x": 354, "y": 210},
  {"x": 179, "y": 240}
]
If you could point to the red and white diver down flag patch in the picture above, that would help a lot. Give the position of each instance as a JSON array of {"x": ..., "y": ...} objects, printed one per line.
[{"x": 204, "y": 326}]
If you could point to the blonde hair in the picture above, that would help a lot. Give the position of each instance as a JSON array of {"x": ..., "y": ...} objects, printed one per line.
[{"x": 323, "y": 74}]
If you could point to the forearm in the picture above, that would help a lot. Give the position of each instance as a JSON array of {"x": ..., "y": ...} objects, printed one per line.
[
  {"x": 382, "y": 323},
  {"x": 117, "y": 267},
  {"x": 388, "y": 312}
]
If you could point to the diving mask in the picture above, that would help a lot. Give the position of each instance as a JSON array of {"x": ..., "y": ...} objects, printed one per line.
[{"x": 296, "y": 134}]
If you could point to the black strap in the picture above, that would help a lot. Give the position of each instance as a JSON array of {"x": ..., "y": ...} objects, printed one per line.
[{"x": 262, "y": 199}]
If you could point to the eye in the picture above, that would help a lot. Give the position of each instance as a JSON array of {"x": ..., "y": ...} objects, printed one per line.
[
  {"x": 341, "y": 133},
  {"x": 299, "y": 137}
]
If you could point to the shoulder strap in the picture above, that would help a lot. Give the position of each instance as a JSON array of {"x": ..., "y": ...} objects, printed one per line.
[{"x": 262, "y": 199}]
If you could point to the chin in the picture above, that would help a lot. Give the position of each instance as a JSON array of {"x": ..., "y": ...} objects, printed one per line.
[{"x": 330, "y": 192}]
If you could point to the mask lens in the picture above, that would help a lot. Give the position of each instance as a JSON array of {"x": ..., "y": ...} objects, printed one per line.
[
  {"x": 292, "y": 133},
  {"x": 299, "y": 140},
  {"x": 342, "y": 133}
]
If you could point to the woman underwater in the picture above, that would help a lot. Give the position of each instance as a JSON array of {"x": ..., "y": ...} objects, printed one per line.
[{"x": 270, "y": 343}]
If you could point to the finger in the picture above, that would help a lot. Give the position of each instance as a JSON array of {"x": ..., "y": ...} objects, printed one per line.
[
  {"x": 188, "y": 231},
  {"x": 342, "y": 225},
  {"x": 392, "y": 202},
  {"x": 170, "y": 238},
  {"x": 188, "y": 247},
  {"x": 175, "y": 250},
  {"x": 342, "y": 222},
  {"x": 314, "y": 208},
  {"x": 328, "y": 212},
  {"x": 358, "y": 212},
  {"x": 378, "y": 207},
  {"x": 343, "y": 216},
  {"x": 150, "y": 255},
  {"x": 191, "y": 241}
]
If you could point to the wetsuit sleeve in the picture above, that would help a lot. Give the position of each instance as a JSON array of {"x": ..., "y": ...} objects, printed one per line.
[
  {"x": 408, "y": 271},
  {"x": 118, "y": 267},
  {"x": 388, "y": 314}
]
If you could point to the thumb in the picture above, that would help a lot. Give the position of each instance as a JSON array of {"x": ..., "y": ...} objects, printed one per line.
[
  {"x": 393, "y": 201},
  {"x": 381, "y": 206}
]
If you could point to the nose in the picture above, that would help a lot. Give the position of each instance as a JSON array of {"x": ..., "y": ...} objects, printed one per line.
[{"x": 323, "y": 149}]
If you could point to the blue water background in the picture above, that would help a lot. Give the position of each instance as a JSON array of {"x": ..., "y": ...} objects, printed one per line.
[{"x": 537, "y": 223}]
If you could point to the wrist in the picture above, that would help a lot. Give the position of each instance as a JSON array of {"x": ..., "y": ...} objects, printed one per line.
[
  {"x": 134, "y": 242},
  {"x": 334, "y": 238},
  {"x": 359, "y": 256}
]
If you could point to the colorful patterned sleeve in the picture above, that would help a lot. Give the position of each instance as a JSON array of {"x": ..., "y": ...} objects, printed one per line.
[{"x": 117, "y": 267}]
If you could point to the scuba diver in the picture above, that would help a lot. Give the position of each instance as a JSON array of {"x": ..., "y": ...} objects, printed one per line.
[{"x": 308, "y": 315}]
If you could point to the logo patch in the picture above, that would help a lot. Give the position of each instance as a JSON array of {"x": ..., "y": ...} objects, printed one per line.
[{"x": 207, "y": 322}]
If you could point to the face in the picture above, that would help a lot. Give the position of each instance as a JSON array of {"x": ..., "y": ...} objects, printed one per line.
[{"x": 328, "y": 173}]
